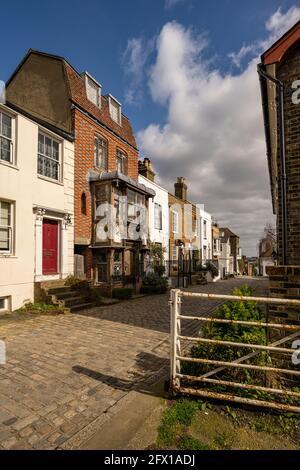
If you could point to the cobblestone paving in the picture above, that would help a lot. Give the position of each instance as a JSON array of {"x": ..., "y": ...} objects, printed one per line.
[{"x": 65, "y": 373}]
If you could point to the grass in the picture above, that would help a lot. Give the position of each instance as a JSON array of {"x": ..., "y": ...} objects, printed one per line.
[
  {"x": 189, "y": 424},
  {"x": 174, "y": 424}
]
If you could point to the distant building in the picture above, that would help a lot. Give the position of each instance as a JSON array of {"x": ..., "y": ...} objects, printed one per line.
[
  {"x": 266, "y": 255},
  {"x": 227, "y": 236},
  {"x": 158, "y": 208}
]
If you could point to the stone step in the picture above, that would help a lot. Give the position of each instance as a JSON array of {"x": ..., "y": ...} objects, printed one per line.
[
  {"x": 77, "y": 308},
  {"x": 65, "y": 295},
  {"x": 72, "y": 302},
  {"x": 58, "y": 290}
]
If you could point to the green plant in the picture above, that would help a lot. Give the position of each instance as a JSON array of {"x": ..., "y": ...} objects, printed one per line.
[
  {"x": 31, "y": 307},
  {"x": 233, "y": 310},
  {"x": 122, "y": 293},
  {"x": 174, "y": 420},
  {"x": 75, "y": 282},
  {"x": 212, "y": 269},
  {"x": 191, "y": 443},
  {"x": 154, "y": 284}
]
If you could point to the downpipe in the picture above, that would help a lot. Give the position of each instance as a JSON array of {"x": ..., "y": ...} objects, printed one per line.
[{"x": 280, "y": 88}]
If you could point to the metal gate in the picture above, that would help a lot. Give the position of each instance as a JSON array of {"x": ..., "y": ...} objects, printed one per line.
[{"x": 180, "y": 354}]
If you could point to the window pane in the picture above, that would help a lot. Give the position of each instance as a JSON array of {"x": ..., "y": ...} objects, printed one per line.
[
  {"x": 41, "y": 144},
  {"x": 4, "y": 213},
  {"x": 6, "y": 126},
  {"x": 55, "y": 150},
  {"x": 48, "y": 147},
  {"x": 4, "y": 239},
  {"x": 5, "y": 149}
]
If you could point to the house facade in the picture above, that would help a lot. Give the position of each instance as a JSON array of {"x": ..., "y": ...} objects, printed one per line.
[
  {"x": 111, "y": 235},
  {"x": 226, "y": 262},
  {"x": 279, "y": 80},
  {"x": 184, "y": 219},
  {"x": 266, "y": 255},
  {"x": 158, "y": 209},
  {"x": 235, "y": 249},
  {"x": 206, "y": 243},
  {"x": 36, "y": 207}
]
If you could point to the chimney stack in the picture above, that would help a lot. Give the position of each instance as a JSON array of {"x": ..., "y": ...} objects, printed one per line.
[
  {"x": 181, "y": 188},
  {"x": 146, "y": 169}
]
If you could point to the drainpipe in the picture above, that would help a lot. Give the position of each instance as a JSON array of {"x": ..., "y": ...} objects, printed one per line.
[{"x": 280, "y": 88}]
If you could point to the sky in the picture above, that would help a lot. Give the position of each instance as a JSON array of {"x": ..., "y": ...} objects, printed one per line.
[{"x": 185, "y": 73}]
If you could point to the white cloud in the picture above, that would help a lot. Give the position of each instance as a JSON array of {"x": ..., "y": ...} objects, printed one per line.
[
  {"x": 134, "y": 59},
  {"x": 213, "y": 134},
  {"x": 276, "y": 25},
  {"x": 171, "y": 3}
]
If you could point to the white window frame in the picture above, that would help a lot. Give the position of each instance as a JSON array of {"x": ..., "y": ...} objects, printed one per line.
[
  {"x": 89, "y": 78},
  {"x": 175, "y": 217},
  {"x": 11, "y": 139},
  {"x": 112, "y": 99},
  {"x": 43, "y": 155},
  {"x": 205, "y": 229},
  {"x": 96, "y": 158},
  {"x": 10, "y": 228},
  {"x": 174, "y": 252},
  {"x": 158, "y": 216}
]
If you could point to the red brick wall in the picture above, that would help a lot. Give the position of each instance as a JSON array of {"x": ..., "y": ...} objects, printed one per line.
[{"x": 85, "y": 129}]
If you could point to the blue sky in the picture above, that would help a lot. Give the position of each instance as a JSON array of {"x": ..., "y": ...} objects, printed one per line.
[
  {"x": 93, "y": 34},
  {"x": 185, "y": 72}
]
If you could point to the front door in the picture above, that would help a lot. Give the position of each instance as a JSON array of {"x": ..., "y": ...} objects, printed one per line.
[{"x": 50, "y": 246}]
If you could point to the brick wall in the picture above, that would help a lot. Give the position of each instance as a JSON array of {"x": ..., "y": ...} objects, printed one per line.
[
  {"x": 85, "y": 129},
  {"x": 288, "y": 72}
]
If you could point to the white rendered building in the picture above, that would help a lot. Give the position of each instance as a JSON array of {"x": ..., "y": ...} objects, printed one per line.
[{"x": 36, "y": 207}]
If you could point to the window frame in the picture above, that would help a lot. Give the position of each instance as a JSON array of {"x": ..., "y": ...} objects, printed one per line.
[
  {"x": 11, "y": 139},
  {"x": 121, "y": 154},
  {"x": 159, "y": 218},
  {"x": 10, "y": 227},
  {"x": 205, "y": 229},
  {"x": 89, "y": 79},
  {"x": 173, "y": 222},
  {"x": 112, "y": 99},
  {"x": 96, "y": 163},
  {"x": 59, "y": 161}
]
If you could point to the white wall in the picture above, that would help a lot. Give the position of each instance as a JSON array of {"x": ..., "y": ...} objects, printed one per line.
[
  {"x": 206, "y": 242},
  {"x": 162, "y": 198},
  {"x": 20, "y": 184}
]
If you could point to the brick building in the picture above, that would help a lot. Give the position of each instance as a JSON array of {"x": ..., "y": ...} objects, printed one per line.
[
  {"x": 279, "y": 73},
  {"x": 107, "y": 193}
]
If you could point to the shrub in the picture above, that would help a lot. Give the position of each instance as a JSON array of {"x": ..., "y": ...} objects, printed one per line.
[
  {"x": 122, "y": 293},
  {"x": 154, "y": 284},
  {"x": 233, "y": 310},
  {"x": 31, "y": 307},
  {"x": 75, "y": 282}
]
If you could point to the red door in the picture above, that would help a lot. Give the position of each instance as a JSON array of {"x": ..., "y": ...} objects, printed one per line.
[{"x": 50, "y": 246}]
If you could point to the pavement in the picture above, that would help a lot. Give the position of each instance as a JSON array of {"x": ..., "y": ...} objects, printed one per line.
[{"x": 89, "y": 380}]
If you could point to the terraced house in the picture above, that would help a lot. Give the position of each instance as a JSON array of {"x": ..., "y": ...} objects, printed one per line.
[
  {"x": 36, "y": 206},
  {"x": 111, "y": 234}
]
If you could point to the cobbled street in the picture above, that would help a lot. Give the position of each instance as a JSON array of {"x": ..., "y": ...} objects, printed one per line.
[{"x": 66, "y": 374}]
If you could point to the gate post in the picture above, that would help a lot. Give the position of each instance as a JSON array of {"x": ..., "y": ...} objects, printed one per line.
[{"x": 175, "y": 311}]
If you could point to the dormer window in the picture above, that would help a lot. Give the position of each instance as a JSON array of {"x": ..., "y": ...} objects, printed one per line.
[
  {"x": 93, "y": 90},
  {"x": 115, "y": 109}
]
